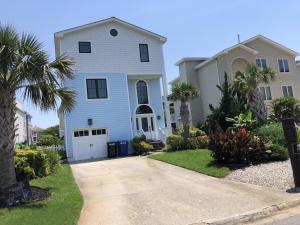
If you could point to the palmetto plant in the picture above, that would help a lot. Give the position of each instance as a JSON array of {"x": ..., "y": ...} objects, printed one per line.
[
  {"x": 184, "y": 92},
  {"x": 247, "y": 83},
  {"x": 25, "y": 68}
]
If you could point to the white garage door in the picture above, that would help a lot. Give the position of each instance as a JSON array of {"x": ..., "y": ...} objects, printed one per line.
[{"x": 89, "y": 143}]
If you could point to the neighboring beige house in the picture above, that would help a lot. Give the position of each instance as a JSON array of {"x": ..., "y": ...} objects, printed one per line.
[
  {"x": 22, "y": 125},
  {"x": 35, "y": 133},
  {"x": 206, "y": 73}
]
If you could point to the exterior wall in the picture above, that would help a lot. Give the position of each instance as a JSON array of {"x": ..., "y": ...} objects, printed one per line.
[
  {"x": 154, "y": 96},
  {"x": 112, "y": 113},
  {"x": 208, "y": 79},
  {"x": 23, "y": 126},
  {"x": 118, "y": 54},
  {"x": 298, "y": 71}
]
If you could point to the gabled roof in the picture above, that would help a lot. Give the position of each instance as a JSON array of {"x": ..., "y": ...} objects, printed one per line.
[
  {"x": 60, "y": 34},
  {"x": 251, "y": 50},
  {"x": 190, "y": 59}
]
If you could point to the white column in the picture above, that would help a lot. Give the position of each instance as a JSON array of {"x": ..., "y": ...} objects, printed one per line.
[{"x": 167, "y": 108}]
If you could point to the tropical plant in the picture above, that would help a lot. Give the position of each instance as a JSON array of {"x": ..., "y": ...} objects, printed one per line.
[
  {"x": 286, "y": 107},
  {"x": 232, "y": 104},
  {"x": 25, "y": 68},
  {"x": 54, "y": 131},
  {"x": 247, "y": 83},
  {"x": 243, "y": 121},
  {"x": 184, "y": 92},
  {"x": 273, "y": 132}
]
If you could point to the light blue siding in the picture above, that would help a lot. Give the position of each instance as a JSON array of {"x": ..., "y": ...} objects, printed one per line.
[
  {"x": 112, "y": 113},
  {"x": 155, "y": 98}
]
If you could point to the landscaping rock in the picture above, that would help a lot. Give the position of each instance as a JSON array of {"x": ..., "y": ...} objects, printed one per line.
[{"x": 277, "y": 175}]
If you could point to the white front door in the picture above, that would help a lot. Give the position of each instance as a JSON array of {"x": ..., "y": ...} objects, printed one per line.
[{"x": 146, "y": 124}]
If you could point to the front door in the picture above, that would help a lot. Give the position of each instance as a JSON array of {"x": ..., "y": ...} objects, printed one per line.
[{"x": 145, "y": 123}]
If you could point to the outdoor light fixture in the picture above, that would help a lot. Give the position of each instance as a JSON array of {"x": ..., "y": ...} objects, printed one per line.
[
  {"x": 158, "y": 117},
  {"x": 90, "y": 122}
]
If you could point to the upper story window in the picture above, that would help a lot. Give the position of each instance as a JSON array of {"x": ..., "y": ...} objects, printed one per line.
[
  {"x": 261, "y": 63},
  {"x": 96, "y": 88},
  {"x": 84, "y": 47},
  {"x": 144, "y": 54},
  {"x": 283, "y": 65},
  {"x": 266, "y": 93},
  {"x": 287, "y": 90},
  {"x": 142, "y": 92}
]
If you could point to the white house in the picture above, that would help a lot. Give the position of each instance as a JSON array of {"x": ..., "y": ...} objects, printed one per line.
[
  {"x": 119, "y": 80},
  {"x": 23, "y": 125}
]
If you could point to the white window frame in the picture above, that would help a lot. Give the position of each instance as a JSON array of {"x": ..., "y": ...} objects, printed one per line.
[
  {"x": 287, "y": 85},
  {"x": 261, "y": 58},
  {"x": 288, "y": 61},
  {"x": 136, "y": 94},
  {"x": 267, "y": 86}
]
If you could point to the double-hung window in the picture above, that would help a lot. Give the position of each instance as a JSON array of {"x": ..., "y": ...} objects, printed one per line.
[
  {"x": 283, "y": 65},
  {"x": 287, "y": 90},
  {"x": 266, "y": 93},
  {"x": 96, "y": 88},
  {"x": 261, "y": 63},
  {"x": 144, "y": 54}
]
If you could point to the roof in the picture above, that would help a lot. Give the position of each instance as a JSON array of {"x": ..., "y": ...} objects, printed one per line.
[
  {"x": 61, "y": 33},
  {"x": 190, "y": 59},
  {"x": 253, "y": 51}
]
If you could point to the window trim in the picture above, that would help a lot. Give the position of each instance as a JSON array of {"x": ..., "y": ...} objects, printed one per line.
[
  {"x": 265, "y": 86},
  {"x": 136, "y": 96},
  {"x": 83, "y": 129},
  {"x": 288, "y": 84},
  {"x": 86, "y": 91},
  {"x": 148, "y": 58},
  {"x": 260, "y": 58},
  {"x": 84, "y": 42},
  {"x": 283, "y": 58}
]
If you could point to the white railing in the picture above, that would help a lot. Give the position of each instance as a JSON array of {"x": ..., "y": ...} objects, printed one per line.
[
  {"x": 138, "y": 133},
  {"x": 53, "y": 147},
  {"x": 162, "y": 133}
]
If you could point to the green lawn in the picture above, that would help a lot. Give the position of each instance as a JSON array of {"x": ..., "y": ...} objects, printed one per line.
[
  {"x": 61, "y": 208},
  {"x": 197, "y": 160}
]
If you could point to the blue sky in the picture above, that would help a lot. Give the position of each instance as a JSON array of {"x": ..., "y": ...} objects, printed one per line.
[{"x": 193, "y": 27}]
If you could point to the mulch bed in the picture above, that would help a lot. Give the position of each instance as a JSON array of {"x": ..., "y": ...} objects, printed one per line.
[{"x": 37, "y": 194}]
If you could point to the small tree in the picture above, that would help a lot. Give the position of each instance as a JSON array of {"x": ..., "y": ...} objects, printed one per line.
[
  {"x": 286, "y": 107},
  {"x": 184, "y": 92},
  {"x": 247, "y": 83}
]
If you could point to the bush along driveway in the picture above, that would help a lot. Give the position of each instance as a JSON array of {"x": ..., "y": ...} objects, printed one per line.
[
  {"x": 61, "y": 208},
  {"x": 199, "y": 160}
]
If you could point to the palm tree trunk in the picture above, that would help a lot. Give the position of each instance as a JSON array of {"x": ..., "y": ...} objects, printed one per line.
[
  {"x": 257, "y": 105},
  {"x": 7, "y": 139},
  {"x": 185, "y": 114}
]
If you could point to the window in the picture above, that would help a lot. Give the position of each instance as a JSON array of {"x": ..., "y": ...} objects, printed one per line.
[
  {"x": 84, "y": 47},
  {"x": 266, "y": 93},
  {"x": 261, "y": 63},
  {"x": 113, "y": 32},
  {"x": 96, "y": 88},
  {"x": 287, "y": 90},
  {"x": 144, "y": 55},
  {"x": 283, "y": 65},
  {"x": 98, "y": 132},
  {"x": 143, "y": 109},
  {"x": 142, "y": 92},
  {"x": 81, "y": 133}
]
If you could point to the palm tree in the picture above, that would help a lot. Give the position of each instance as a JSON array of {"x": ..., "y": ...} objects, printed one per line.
[
  {"x": 25, "y": 68},
  {"x": 184, "y": 92},
  {"x": 247, "y": 84}
]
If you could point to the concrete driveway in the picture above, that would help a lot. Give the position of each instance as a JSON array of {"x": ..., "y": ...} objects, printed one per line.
[{"x": 143, "y": 191}]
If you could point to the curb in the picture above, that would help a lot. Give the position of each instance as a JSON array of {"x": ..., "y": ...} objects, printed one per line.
[{"x": 251, "y": 217}]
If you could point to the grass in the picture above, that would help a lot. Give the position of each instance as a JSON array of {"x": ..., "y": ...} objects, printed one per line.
[
  {"x": 61, "y": 208},
  {"x": 197, "y": 160}
]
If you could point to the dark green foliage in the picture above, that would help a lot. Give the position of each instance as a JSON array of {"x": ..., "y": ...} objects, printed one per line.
[
  {"x": 140, "y": 145},
  {"x": 54, "y": 131},
  {"x": 48, "y": 140},
  {"x": 279, "y": 153},
  {"x": 273, "y": 132},
  {"x": 232, "y": 104},
  {"x": 286, "y": 107},
  {"x": 35, "y": 163}
]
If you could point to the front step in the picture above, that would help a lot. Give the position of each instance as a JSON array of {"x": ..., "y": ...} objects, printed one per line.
[{"x": 157, "y": 145}]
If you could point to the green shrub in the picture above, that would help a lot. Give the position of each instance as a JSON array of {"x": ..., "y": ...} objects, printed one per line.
[
  {"x": 286, "y": 107},
  {"x": 35, "y": 163},
  {"x": 273, "y": 132},
  {"x": 194, "y": 132},
  {"x": 142, "y": 147},
  {"x": 139, "y": 139},
  {"x": 177, "y": 142},
  {"x": 279, "y": 153},
  {"x": 48, "y": 140}
]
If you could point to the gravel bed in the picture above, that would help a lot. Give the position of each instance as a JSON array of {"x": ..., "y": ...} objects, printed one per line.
[{"x": 276, "y": 175}]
